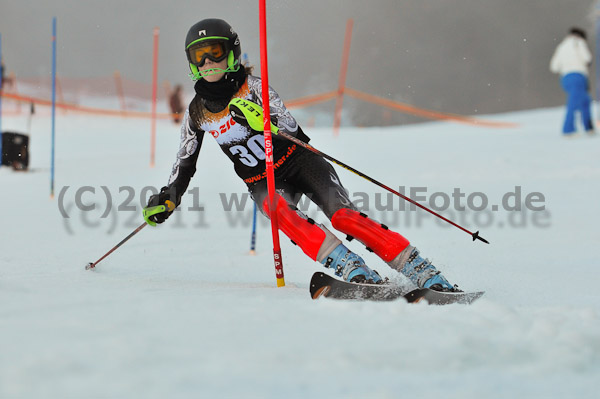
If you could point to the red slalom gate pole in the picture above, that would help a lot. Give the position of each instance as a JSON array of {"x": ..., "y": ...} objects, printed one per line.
[
  {"x": 264, "y": 74},
  {"x": 342, "y": 82},
  {"x": 154, "y": 94}
]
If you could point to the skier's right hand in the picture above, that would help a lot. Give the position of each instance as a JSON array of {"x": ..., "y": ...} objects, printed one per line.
[
  {"x": 250, "y": 114},
  {"x": 159, "y": 208}
]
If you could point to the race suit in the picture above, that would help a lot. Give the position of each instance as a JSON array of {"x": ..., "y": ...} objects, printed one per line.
[{"x": 297, "y": 170}]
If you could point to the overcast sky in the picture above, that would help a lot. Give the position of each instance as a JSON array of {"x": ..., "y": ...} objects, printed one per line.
[{"x": 462, "y": 56}]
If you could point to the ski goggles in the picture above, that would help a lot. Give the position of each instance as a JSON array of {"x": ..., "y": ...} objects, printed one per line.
[{"x": 198, "y": 53}]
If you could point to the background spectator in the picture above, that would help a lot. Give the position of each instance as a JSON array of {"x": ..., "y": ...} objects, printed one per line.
[{"x": 571, "y": 60}]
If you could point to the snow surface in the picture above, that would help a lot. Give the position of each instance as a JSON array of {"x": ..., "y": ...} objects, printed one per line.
[{"x": 182, "y": 310}]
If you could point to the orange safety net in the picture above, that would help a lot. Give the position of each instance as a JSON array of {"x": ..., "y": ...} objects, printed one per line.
[
  {"x": 132, "y": 97},
  {"x": 115, "y": 87},
  {"x": 425, "y": 113},
  {"x": 80, "y": 108}
]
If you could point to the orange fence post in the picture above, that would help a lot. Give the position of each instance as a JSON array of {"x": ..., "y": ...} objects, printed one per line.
[
  {"x": 342, "y": 82},
  {"x": 119, "y": 86},
  {"x": 154, "y": 94}
]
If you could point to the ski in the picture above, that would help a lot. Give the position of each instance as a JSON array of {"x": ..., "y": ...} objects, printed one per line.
[
  {"x": 323, "y": 284},
  {"x": 447, "y": 298}
]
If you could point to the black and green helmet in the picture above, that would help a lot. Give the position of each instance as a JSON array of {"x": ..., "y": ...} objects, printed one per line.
[{"x": 215, "y": 39}]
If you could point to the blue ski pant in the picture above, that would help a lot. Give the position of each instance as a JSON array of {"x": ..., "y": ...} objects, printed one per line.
[{"x": 578, "y": 100}]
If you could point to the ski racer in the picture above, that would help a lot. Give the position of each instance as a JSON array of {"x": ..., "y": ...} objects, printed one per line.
[{"x": 213, "y": 51}]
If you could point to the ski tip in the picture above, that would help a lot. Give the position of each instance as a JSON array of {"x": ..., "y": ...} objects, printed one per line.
[
  {"x": 89, "y": 266},
  {"x": 317, "y": 289},
  {"x": 448, "y": 298},
  {"x": 323, "y": 291},
  {"x": 469, "y": 297},
  {"x": 477, "y": 237}
]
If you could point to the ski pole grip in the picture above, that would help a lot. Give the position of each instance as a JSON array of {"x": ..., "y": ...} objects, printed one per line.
[{"x": 169, "y": 206}]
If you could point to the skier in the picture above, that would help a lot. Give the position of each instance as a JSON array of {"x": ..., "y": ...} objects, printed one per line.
[
  {"x": 213, "y": 52},
  {"x": 571, "y": 60}
]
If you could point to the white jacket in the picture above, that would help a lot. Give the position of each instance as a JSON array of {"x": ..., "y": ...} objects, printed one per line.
[{"x": 571, "y": 55}]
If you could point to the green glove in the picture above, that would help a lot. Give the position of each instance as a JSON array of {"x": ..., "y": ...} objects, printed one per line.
[{"x": 159, "y": 207}]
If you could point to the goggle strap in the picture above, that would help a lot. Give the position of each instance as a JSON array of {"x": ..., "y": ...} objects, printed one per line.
[
  {"x": 206, "y": 38},
  {"x": 232, "y": 66}
]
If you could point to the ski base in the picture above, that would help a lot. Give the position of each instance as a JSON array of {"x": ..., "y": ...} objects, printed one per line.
[{"x": 324, "y": 285}]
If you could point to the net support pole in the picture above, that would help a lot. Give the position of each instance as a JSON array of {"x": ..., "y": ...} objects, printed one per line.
[
  {"x": 342, "y": 81},
  {"x": 154, "y": 97}
]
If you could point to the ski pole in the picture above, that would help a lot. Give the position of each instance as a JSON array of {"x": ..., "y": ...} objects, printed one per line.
[
  {"x": 246, "y": 112},
  {"x": 169, "y": 205},
  {"x": 351, "y": 169},
  {"x": 93, "y": 265}
]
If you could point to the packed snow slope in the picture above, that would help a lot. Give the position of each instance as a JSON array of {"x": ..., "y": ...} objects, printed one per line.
[{"x": 182, "y": 310}]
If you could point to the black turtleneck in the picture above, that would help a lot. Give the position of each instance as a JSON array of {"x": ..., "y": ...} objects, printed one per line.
[{"x": 216, "y": 95}]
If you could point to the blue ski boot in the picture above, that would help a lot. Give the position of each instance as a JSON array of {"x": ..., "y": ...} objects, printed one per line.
[
  {"x": 421, "y": 272},
  {"x": 350, "y": 266}
]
